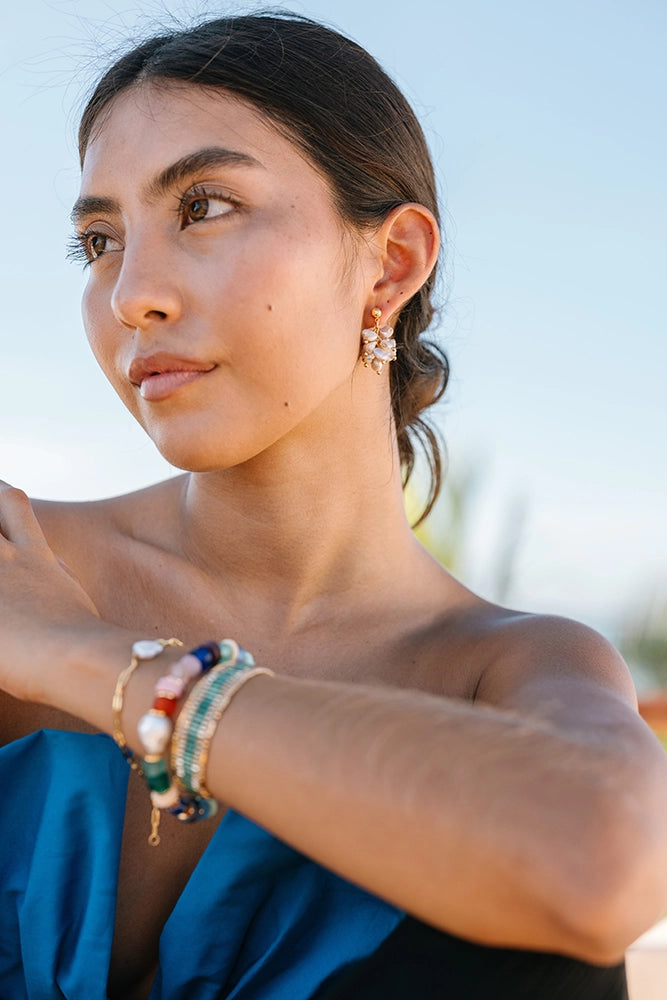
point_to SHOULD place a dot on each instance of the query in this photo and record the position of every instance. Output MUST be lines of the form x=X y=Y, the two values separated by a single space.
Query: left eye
x=200 y=208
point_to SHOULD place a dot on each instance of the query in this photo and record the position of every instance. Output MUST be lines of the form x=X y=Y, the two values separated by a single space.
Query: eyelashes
x=199 y=205
x=84 y=248
x=76 y=249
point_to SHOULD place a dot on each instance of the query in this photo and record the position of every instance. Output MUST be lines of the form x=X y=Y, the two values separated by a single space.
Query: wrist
x=174 y=734
x=83 y=669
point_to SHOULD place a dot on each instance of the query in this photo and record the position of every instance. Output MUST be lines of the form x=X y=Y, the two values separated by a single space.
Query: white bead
x=382 y=355
x=377 y=366
x=368 y=336
x=146 y=649
x=154 y=732
x=386 y=331
x=164 y=800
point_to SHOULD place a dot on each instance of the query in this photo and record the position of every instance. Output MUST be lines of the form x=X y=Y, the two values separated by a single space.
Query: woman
x=257 y=215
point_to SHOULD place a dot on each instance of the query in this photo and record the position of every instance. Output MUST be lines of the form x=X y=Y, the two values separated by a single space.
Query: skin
x=481 y=768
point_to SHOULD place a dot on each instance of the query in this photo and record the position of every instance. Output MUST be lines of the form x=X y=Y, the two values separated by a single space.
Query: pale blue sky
x=548 y=126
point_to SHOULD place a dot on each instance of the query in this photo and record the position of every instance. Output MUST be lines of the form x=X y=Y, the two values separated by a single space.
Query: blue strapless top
x=256 y=921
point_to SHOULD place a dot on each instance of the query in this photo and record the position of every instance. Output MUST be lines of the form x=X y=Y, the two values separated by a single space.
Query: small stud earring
x=378 y=346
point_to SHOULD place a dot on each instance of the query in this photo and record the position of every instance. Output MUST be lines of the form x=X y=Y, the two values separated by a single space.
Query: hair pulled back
x=328 y=95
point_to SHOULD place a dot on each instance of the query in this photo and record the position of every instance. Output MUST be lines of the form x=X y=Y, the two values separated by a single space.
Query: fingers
x=17 y=518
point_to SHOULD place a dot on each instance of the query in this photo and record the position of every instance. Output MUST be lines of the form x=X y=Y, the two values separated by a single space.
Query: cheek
x=295 y=300
x=103 y=335
x=92 y=323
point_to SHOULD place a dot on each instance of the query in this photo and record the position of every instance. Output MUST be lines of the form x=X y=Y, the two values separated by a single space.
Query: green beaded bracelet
x=198 y=721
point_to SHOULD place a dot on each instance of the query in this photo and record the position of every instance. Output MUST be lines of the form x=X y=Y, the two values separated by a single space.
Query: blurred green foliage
x=643 y=642
x=447 y=533
x=449 y=530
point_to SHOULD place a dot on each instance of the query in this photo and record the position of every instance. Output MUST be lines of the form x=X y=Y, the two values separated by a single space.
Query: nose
x=146 y=290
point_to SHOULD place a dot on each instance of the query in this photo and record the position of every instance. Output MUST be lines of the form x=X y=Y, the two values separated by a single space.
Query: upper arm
x=569 y=678
x=560 y=671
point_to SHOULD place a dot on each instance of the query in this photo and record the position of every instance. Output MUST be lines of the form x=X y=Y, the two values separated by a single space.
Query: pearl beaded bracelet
x=144 y=649
x=155 y=729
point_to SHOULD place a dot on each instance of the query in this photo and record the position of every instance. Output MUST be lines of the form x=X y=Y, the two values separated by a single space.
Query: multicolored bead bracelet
x=143 y=649
x=155 y=730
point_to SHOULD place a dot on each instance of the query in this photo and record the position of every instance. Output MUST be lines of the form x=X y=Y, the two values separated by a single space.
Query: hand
x=41 y=600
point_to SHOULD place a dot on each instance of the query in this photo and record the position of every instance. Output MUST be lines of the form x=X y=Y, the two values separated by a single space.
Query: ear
x=408 y=241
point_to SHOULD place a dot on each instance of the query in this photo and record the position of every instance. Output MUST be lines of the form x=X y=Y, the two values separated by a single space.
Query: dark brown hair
x=328 y=95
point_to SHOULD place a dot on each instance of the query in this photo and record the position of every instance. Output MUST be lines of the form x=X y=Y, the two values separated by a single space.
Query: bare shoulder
x=551 y=666
x=75 y=530
x=528 y=663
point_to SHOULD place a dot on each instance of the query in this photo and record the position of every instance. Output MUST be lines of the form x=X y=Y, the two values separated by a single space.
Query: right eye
x=96 y=245
x=91 y=245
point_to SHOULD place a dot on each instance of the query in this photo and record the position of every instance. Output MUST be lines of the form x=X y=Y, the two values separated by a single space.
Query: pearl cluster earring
x=378 y=346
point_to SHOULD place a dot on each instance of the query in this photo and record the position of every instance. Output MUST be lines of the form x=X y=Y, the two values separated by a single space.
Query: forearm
x=475 y=821
x=502 y=829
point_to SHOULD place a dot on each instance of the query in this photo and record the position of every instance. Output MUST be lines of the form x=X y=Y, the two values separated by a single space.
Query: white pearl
x=368 y=336
x=146 y=649
x=377 y=366
x=154 y=732
x=382 y=355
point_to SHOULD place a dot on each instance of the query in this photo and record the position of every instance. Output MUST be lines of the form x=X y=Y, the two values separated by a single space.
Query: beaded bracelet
x=155 y=731
x=198 y=721
x=144 y=649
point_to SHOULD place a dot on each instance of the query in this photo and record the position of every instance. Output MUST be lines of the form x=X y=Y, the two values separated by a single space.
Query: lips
x=160 y=375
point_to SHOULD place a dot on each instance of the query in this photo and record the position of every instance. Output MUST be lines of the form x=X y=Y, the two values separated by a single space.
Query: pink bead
x=170 y=685
x=187 y=668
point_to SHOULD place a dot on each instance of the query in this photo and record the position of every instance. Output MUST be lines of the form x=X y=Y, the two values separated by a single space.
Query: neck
x=297 y=528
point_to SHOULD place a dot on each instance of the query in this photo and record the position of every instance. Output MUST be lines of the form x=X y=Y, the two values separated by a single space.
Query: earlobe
x=409 y=240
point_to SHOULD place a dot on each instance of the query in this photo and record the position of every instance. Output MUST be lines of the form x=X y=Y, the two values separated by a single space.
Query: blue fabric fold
x=257 y=920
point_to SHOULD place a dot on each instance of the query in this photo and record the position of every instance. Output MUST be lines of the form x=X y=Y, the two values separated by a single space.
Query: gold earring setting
x=378 y=346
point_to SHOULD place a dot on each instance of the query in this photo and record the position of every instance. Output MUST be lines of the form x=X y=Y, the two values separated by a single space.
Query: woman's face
x=224 y=301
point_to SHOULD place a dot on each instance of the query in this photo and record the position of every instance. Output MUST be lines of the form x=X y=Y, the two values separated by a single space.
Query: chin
x=204 y=453
x=202 y=441
x=189 y=462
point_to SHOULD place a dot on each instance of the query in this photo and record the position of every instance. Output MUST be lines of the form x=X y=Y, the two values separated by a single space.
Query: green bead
x=156 y=774
x=227 y=652
x=158 y=784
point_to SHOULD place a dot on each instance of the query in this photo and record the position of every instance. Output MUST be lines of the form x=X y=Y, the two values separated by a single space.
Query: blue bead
x=206 y=655
x=215 y=649
x=184 y=809
x=207 y=807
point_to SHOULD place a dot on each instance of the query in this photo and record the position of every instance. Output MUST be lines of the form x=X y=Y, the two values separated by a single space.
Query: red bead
x=166 y=705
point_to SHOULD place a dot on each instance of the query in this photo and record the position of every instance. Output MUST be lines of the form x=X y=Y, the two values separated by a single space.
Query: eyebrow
x=167 y=179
